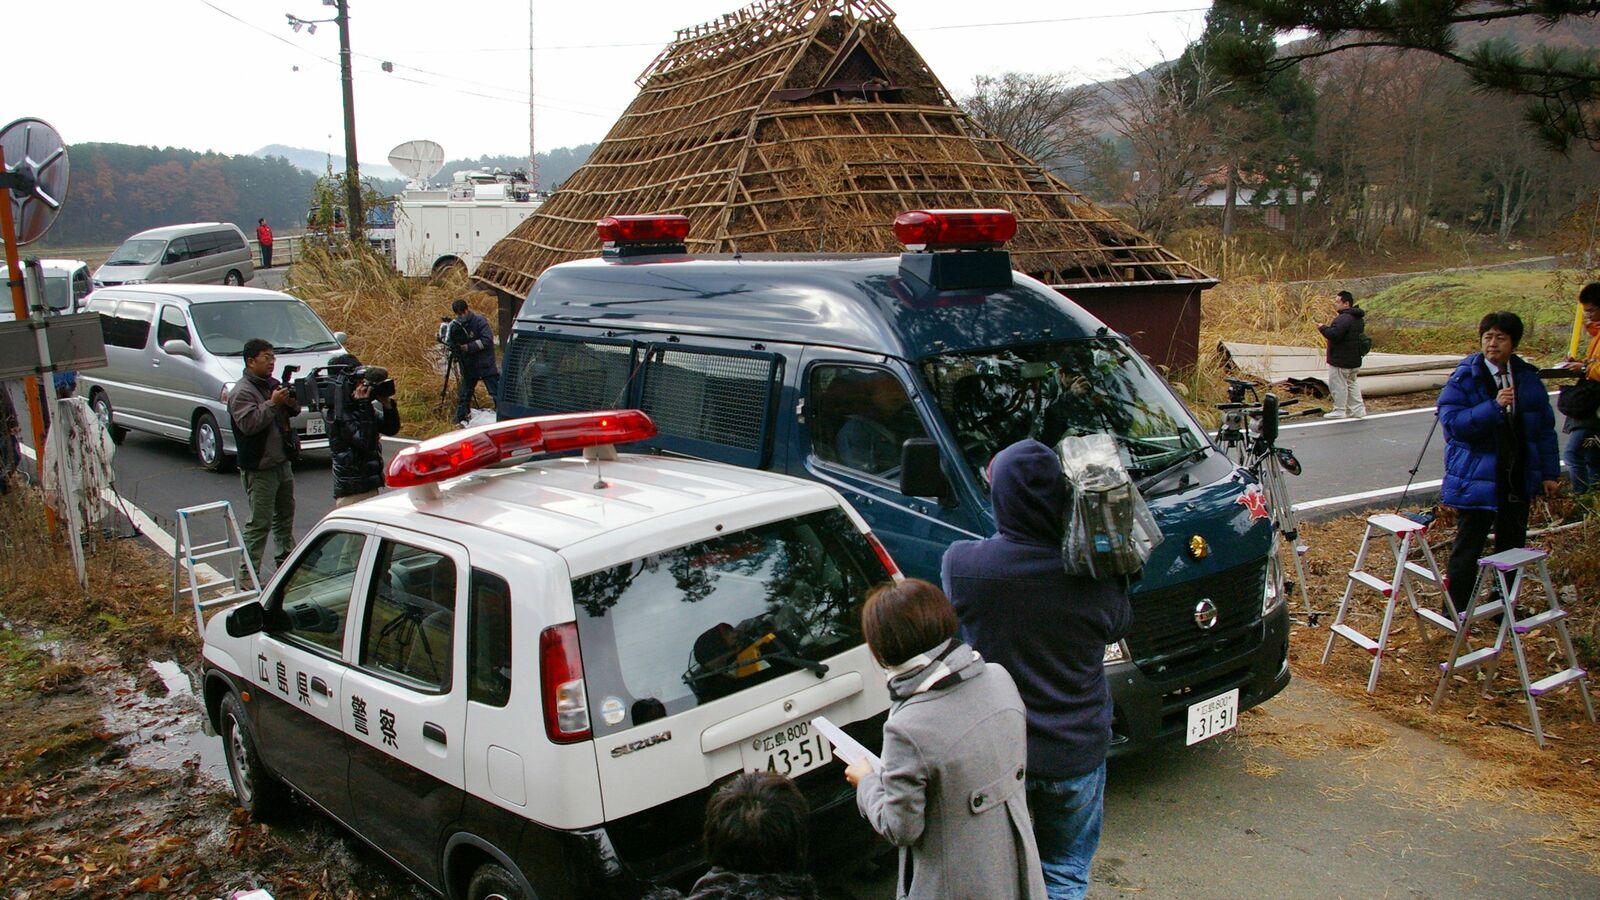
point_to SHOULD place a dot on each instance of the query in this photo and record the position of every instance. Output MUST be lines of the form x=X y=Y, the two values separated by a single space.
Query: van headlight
x=1271 y=590
x=1115 y=653
x=226 y=390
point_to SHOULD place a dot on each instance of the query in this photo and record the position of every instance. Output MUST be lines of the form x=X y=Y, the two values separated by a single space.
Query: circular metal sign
x=34 y=151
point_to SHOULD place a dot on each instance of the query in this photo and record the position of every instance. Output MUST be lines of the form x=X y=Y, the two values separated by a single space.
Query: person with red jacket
x=264 y=238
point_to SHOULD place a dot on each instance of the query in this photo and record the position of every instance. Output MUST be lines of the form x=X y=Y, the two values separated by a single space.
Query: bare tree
x=1042 y=116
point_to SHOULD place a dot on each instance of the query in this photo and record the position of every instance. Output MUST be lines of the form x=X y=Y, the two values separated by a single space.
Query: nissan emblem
x=1205 y=615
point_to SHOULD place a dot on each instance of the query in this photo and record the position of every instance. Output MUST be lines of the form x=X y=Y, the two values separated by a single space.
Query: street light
x=352 y=170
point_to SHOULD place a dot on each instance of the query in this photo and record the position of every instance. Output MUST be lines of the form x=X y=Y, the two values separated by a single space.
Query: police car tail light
x=460 y=452
x=566 y=700
x=883 y=554
x=948 y=229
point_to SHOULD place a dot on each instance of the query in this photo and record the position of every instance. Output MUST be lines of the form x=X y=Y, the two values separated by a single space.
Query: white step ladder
x=204 y=581
x=1493 y=570
x=1405 y=537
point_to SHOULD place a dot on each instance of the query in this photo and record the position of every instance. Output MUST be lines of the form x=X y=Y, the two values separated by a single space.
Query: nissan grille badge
x=1205 y=615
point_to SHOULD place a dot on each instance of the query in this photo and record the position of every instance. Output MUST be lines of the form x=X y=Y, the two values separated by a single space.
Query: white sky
x=220 y=74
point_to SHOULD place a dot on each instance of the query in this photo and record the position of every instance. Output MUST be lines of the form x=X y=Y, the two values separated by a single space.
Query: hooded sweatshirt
x=1344 y=337
x=1019 y=608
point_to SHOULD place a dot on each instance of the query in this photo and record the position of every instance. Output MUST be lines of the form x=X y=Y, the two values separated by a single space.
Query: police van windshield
x=288 y=324
x=994 y=398
x=667 y=632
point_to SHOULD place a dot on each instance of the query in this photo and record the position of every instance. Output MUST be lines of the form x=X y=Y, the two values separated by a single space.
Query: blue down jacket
x=1471 y=419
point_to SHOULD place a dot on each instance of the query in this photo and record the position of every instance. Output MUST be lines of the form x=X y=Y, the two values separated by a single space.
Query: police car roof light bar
x=950 y=229
x=652 y=229
x=460 y=452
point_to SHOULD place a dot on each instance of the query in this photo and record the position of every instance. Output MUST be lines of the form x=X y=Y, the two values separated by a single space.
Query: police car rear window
x=667 y=632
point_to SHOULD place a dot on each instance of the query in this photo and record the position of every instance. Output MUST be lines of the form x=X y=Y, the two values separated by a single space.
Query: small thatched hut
x=807 y=126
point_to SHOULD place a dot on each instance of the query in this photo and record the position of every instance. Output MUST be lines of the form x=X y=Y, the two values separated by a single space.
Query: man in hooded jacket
x=1344 y=335
x=1018 y=607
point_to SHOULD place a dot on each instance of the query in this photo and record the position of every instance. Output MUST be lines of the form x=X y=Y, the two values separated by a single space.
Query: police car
x=522 y=675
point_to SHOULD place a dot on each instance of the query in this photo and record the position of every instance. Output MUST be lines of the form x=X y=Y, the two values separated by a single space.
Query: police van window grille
x=555 y=376
x=708 y=396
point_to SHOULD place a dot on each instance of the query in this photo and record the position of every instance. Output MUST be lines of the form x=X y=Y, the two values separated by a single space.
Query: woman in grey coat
x=951 y=791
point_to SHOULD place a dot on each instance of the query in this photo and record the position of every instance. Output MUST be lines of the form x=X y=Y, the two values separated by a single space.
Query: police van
x=522 y=675
x=894 y=379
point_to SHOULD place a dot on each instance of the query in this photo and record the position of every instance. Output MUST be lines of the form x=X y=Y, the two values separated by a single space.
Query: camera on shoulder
x=327 y=389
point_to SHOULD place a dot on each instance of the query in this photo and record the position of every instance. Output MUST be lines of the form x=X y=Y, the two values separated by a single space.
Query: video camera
x=451 y=333
x=326 y=389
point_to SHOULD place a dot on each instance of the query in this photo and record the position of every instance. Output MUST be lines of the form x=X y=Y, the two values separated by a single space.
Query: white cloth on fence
x=88 y=460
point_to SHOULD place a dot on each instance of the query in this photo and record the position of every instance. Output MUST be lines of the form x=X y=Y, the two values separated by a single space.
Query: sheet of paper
x=846 y=747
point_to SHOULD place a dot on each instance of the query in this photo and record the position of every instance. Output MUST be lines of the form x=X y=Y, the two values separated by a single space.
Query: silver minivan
x=173 y=353
x=199 y=253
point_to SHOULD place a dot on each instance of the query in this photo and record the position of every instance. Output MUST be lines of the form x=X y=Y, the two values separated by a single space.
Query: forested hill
x=118 y=189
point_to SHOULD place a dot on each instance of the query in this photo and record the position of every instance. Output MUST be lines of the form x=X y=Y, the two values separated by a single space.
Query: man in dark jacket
x=261 y=409
x=1344 y=335
x=355 y=437
x=1500 y=449
x=472 y=341
x=1019 y=608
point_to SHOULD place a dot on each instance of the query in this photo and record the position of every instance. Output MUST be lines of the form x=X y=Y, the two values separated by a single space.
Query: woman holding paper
x=950 y=791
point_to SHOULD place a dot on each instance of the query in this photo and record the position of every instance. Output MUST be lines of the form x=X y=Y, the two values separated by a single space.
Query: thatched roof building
x=807 y=126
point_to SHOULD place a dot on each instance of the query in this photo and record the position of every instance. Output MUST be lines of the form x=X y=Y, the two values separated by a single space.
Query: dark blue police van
x=895 y=379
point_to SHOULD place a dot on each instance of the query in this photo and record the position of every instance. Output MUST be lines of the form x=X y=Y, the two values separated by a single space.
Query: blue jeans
x=1583 y=463
x=1066 y=826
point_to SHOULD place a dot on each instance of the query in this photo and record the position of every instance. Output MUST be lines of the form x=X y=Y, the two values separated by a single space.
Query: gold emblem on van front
x=1198 y=548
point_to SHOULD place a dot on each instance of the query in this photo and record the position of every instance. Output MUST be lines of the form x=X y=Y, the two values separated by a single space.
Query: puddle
x=165 y=732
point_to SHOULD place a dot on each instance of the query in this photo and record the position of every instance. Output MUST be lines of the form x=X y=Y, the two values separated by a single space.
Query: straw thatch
x=806 y=126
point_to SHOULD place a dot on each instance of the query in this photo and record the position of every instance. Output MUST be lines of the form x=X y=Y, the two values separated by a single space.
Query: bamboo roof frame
x=750 y=126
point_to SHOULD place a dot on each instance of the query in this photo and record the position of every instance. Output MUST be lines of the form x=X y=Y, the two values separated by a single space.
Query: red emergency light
x=950 y=229
x=460 y=452
x=653 y=229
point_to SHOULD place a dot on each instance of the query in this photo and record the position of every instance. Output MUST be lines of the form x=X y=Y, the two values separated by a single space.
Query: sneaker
x=1335 y=414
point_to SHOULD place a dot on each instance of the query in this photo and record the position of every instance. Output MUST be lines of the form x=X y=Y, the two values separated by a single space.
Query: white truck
x=437 y=229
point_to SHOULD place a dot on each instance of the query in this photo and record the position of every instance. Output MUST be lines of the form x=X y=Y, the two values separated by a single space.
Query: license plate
x=316 y=425
x=792 y=750
x=1209 y=718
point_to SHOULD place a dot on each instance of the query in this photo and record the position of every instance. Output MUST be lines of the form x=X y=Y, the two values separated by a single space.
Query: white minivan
x=198 y=253
x=173 y=352
x=522 y=677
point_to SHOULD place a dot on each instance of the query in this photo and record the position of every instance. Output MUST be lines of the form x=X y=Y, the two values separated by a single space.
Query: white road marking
x=1378 y=494
x=1367 y=418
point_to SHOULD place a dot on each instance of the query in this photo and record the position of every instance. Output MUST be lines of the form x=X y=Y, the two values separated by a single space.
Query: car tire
x=207 y=443
x=233 y=278
x=258 y=791
x=102 y=409
x=493 y=882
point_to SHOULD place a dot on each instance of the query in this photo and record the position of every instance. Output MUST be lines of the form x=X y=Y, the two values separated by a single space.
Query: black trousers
x=1510 y=524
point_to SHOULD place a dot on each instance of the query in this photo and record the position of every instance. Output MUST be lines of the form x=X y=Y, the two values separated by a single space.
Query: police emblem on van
x=636 y=746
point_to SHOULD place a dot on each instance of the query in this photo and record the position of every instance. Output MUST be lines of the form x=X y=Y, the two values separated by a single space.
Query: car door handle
x=321 y=687
x=432 y=732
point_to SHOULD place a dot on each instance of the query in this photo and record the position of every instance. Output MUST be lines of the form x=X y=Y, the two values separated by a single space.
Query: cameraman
x=356 y=426
x=472 y=341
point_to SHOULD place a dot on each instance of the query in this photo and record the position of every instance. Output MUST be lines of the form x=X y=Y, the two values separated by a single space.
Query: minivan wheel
x=208 y=444
x=493 y=882
x=259 y=792
x=102 y=410
x=233 y=278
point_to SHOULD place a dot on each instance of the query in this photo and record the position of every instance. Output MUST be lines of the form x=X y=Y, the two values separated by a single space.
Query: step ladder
x=1515 y=565
x=1406 y=537
x=192 y=574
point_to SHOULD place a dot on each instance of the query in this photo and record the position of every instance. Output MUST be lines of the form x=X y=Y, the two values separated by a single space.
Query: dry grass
x=391 y=321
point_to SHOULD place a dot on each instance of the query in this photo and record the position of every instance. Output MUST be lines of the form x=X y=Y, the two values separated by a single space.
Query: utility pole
x=533 y=157
x=356 y=219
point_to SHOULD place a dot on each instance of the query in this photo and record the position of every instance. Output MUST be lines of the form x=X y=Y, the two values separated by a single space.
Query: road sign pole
x=59 y=417
x=19 y=303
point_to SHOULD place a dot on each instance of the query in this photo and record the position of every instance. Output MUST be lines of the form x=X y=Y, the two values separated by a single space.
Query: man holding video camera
x=261 y=408
x=471 y=340
x=363 y=413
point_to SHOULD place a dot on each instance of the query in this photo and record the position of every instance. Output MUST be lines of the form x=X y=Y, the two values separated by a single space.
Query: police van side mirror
x=245 y=620
x=921 y=475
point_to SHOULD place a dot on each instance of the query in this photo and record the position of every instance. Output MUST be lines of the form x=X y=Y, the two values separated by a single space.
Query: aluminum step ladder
x=1495 y=570
x=1406 y=537
x=207 y=587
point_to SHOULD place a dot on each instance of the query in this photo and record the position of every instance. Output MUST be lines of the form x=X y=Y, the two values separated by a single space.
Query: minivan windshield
x=669 y=631
x=994 y=398
x=137 y=252
x=288 y=324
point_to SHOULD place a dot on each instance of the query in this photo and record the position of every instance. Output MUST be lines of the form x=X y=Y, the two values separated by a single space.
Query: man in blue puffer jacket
x=1500 y=448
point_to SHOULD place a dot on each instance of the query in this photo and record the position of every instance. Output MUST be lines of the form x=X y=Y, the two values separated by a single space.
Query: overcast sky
x=230 y=75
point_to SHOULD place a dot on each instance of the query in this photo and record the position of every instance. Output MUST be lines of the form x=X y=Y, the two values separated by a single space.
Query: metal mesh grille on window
x=708 y=396
x=554 y=376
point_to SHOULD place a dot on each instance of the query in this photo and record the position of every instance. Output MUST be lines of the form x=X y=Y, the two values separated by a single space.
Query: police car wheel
x=493 y=882
x=259 y=793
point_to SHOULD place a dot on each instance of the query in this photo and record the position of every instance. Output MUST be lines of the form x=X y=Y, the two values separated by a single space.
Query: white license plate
x=1209 y=718
x=316 y=425
x=794 y=749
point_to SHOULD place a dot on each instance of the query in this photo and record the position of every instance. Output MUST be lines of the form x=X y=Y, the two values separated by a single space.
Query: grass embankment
x=1442 y=311
x=392 y=322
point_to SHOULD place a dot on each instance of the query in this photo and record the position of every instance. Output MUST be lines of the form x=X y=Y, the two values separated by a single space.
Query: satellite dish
x=34 y=151
x=418 y=160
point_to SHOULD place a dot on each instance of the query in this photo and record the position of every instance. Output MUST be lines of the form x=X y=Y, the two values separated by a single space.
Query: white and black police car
x=523 y=674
